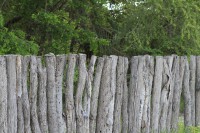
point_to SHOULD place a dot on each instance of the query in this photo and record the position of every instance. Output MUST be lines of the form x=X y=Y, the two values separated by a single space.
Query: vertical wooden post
x=197 y=91
x=25 y=98
x=192 y=67
x=148 y=81
x=139 y=95
x=118 y=96
x=165 y=92
x=177 y=94
x=125 y=98
x=156 y=92
x=20 y=117
x=3 y=96
x=175 y=68
x=95 y=94
x=51 y=93
x=132 y=87
x=87 y=94
x=187 y=96
x=79 y=94
x=106 y=96
x=33 y=95
x=69 y=95
x=11 y=97
x=60 y=64
x=42 y=97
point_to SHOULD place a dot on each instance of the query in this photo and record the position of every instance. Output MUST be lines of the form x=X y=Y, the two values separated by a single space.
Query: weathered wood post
x=106 y=97
x=118 y=96
x=60 y=64
x=42 y=96
x=187 y=96
x=11 y=91
x=125 y=98
x=33 y=95
x=20 y=117
x=3 y=96
x=156 y=93
x=51 y=93
x=69 y=95
x=25 y=98
x=95 y=94
x=139 y=95
x=197 y=91
x=177 y=93
x=192 y=67
x=148 y=82
x=175 y=67
x=79 y=94
x=87 y=94
x=166 y=92
x=132 y=87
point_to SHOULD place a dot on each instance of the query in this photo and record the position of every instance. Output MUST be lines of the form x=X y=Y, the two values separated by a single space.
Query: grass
x=183 y=129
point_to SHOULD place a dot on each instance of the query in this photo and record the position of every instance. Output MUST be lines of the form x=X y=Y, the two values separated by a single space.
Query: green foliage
x=160 y=28
x=130 y=27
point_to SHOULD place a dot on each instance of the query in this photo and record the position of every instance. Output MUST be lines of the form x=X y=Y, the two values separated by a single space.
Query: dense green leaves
x=121 y=27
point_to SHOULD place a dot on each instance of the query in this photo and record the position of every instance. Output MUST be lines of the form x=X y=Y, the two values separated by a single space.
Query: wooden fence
x=110 y=94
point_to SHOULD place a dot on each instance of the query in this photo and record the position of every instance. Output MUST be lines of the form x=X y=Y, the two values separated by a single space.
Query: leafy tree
x=159 y=27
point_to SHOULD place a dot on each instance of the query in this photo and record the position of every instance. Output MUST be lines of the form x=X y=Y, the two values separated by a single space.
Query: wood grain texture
x=95 y=94
x=3 y=96
x=11 y=91
x=51 y=93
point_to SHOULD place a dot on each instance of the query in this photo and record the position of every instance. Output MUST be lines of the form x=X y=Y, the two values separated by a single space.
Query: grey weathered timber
x=118 y=96
x=132 y=87
x=69 y=95
x=177 y=94
x=87 y=94
x=20 y=117
x=165 y=92
x=187 y=96
x=42 y=97
x=33 y=95
x=175 y=66
x=3 y=96
x=51 y=93
x=79 y=94
x=25 y=98
x=139 y=95
x=125 y=98
x=60 y=64
x=95 y=94
x=156 y=93
x=192 y=67
x=11 y=91
x=114 y=60
x=148 y=81
x=106 y=96
x=197 y=91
